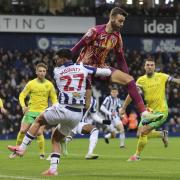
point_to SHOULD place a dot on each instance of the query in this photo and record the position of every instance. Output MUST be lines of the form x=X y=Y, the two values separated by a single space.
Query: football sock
x=55 y=158
x=122 y=138
x=41 y=143
x=93 y=140
x=142 y=141
x=133 y=92
x=155 y=134
x=19 y=139
x=26 y=141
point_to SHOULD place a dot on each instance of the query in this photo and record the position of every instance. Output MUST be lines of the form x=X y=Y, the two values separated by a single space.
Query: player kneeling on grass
x=71 y=79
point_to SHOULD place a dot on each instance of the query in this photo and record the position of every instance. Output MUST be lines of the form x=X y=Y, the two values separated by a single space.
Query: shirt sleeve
x=24 y=93
x=98 y=71
x=164 y=77
x=86 y=39
x=139 y=82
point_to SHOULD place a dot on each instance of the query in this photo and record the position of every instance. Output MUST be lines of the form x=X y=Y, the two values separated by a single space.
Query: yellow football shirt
x=154 y=89
x=39 y=93
x=1 y=103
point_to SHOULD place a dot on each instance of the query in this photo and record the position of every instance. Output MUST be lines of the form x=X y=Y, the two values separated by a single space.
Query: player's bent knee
x=87 y=128
x=41 y=120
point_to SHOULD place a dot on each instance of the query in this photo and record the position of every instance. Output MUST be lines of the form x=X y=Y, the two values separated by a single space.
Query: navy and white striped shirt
x=109 y=105
x=71 y=80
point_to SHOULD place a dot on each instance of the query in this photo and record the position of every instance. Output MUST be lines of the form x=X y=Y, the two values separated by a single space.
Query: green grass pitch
x=156 y=163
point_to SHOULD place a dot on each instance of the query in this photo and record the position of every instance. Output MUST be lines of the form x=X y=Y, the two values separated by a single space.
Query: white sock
x=55 y=158
x=26 y=141
x=108 y=135
x=93 y=140
x=122 y=138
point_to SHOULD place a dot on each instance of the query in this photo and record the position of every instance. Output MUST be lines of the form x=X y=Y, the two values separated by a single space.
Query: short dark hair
x=117 y=10
x=114 y=88
x=149 y=59
x=41 y=64
x=64 y=53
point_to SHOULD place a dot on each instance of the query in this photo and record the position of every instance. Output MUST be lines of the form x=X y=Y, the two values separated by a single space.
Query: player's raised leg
x=125 y=79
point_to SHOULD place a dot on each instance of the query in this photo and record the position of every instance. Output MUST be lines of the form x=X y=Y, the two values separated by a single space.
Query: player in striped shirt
x=71 y=80
x=96 y=44
x=39 y=90
x=110 y=107
x=153 y=87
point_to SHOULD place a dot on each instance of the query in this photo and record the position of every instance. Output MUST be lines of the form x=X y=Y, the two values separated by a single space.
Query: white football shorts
x=67 y=116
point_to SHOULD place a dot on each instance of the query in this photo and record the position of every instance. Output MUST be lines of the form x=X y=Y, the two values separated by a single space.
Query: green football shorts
x=30 y=117
x=159 y=122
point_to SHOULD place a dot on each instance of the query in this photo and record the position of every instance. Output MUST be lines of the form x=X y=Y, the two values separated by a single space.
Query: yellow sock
x=142 y=141
x=154 y=134
x=41 y=143
x=19 y=139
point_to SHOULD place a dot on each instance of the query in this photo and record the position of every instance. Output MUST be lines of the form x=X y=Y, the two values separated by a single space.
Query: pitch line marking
x=21 y=177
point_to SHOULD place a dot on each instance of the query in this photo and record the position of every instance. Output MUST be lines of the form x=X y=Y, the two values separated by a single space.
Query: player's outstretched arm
x=22 y=97
x=127 y=101
x=98 y=71
x=103 y=72
x=175 y=80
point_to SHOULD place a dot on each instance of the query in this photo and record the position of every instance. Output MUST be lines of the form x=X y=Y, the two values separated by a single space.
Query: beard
x=115 y=27
x=149 y=74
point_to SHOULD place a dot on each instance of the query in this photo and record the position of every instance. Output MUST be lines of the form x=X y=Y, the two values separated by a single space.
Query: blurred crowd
x=18 y=68
x=86 y=8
